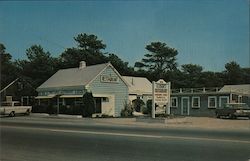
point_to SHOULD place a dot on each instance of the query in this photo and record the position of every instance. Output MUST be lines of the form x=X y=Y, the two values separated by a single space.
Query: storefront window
x=174 y=102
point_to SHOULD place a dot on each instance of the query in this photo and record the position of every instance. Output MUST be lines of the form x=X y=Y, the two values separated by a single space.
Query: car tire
x=27 y=112
x=12 y=114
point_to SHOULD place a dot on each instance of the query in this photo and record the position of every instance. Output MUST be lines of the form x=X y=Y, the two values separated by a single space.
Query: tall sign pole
x=169 y=99
x=153 y=100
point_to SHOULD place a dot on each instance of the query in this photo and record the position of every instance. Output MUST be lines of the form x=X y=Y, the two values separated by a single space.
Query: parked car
x=233 y=110
x=13 y=108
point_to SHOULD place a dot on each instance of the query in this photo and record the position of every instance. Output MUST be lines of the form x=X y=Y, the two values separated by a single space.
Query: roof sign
x=109 y=79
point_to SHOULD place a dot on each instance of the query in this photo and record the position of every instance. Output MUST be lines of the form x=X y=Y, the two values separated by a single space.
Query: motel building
x=67 y=87
x=204 y=101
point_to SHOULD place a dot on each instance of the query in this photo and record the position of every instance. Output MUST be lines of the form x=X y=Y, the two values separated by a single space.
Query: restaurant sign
x=109 y=79
x=161 y=97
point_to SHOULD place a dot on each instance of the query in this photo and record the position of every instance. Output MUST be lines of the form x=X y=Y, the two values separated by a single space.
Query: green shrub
x=127 y=111
x=148 y=109
x=88 y=105
x=138 y=104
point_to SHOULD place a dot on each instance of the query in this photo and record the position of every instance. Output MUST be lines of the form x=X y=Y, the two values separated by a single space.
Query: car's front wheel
x=27 y=112
x=12 y=114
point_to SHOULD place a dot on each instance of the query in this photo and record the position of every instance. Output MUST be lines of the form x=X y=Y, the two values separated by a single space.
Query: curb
x=69 y=116
x=39 y=114
x=55 y=116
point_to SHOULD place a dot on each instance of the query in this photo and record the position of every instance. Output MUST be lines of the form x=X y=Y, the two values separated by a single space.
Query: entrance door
x=185 y=106
x=98 y=102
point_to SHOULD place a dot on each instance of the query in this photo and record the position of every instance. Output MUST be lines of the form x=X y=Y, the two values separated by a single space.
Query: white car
x=13 y=108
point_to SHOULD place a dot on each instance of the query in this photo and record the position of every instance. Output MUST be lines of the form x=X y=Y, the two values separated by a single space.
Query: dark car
x=233 y=110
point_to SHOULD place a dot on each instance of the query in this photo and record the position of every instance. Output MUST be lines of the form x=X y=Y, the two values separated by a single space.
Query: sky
x=210 y=33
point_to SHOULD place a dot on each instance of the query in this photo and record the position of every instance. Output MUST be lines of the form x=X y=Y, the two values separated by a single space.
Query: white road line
x=151 y=136
x=107 y=133
x=131 y=135
x=207 y=139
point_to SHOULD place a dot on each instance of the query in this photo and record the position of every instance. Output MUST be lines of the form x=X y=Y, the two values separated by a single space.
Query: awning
x=46 y=97
x=71 y=96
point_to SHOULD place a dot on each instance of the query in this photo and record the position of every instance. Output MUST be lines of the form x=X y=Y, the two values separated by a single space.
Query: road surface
x=44 y=139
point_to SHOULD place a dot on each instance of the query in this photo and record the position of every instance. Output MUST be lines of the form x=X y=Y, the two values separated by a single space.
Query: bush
x=148 y=109
x=88 y=105
x=127 y=111
x=138 y=104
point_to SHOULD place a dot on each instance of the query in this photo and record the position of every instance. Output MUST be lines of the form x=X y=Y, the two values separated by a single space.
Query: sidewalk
x=176 y=122
x=184 y=122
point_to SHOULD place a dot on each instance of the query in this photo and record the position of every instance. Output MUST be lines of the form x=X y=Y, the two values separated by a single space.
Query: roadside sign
x=161 y=97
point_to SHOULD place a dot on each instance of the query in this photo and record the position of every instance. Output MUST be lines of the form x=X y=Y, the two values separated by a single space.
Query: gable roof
x=74 y=76
x=138 y=85
x=241 y=89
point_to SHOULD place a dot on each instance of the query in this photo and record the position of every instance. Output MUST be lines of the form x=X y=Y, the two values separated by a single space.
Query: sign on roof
x=161 y=97
x=109 y=79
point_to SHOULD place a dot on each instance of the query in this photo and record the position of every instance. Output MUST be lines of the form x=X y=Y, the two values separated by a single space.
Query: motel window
x=174 y=102
x=196 y=102
x=212 y=102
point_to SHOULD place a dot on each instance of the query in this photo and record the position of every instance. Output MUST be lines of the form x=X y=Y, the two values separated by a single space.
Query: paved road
x=26 y=139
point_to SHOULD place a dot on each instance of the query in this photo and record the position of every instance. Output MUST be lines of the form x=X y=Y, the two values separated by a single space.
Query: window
x=212 y=102
x=223 y=101
x=196 y=102
x=174 y=102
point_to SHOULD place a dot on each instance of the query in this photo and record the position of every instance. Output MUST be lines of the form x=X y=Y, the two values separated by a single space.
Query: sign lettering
x=109 y=79
x=161 y=96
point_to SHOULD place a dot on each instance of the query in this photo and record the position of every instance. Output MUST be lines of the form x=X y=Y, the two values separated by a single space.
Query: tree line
x=159 y=62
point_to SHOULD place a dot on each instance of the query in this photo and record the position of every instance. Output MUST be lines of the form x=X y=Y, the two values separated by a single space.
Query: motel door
x=98 y=102
x=185 y=106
